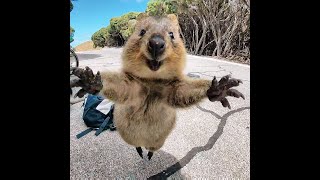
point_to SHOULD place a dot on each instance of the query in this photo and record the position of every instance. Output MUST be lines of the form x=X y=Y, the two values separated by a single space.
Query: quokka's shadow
x=122 y=162
x=170 y=170
x=92 y=159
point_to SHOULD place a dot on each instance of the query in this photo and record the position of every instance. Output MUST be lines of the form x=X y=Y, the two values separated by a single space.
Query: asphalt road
x=208 y=142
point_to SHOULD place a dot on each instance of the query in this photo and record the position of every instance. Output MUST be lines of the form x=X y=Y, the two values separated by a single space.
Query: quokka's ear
x=141 y=16
x=173 y=18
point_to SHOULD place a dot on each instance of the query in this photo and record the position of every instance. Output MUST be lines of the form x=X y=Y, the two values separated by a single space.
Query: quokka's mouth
x=154 y=65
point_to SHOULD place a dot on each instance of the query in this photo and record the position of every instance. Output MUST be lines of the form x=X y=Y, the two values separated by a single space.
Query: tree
x=71 y=29
x=161 y=7
x=208 y=27
x=117 y=32
x=99 y=37
x=71 y=6
x=71 y=34
x=216 y=27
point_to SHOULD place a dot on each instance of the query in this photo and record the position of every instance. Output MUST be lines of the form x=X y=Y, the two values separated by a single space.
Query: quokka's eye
x=171 y=35
x=142 y=32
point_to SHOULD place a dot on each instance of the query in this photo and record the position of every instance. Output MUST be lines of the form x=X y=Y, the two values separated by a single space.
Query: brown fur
x=145 y=100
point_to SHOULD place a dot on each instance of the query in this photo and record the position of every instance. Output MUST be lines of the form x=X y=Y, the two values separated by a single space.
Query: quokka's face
x=155 y=47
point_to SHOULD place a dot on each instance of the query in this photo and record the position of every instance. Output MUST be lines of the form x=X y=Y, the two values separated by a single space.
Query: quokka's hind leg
x=151 y=150
x=155 y=147
x=139 y=150
x=150 y=154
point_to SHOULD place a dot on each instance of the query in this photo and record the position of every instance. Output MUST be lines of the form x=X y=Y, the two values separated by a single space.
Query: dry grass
x=86 y=46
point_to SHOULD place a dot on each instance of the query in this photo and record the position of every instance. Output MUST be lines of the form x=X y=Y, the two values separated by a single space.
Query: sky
x=88 y=16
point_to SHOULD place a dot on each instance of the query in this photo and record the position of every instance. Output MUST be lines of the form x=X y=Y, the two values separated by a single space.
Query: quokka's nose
x=156 y=46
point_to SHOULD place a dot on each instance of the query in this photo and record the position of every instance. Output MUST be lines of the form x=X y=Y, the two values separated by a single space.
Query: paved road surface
x=208 y=142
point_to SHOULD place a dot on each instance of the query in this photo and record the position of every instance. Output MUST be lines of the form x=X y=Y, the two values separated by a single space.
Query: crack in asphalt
x=194 y=151
x=221 y=70
x=219 y=66
x=201 y=73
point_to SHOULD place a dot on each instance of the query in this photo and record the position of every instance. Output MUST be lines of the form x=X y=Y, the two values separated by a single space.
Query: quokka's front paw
x=218 y=91
x=89 y=82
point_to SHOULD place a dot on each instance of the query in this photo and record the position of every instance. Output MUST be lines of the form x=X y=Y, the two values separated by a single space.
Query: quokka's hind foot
x=139 y=150
x=150 y=154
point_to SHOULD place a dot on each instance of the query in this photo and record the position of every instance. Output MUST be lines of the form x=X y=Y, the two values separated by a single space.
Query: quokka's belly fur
x=142 y=127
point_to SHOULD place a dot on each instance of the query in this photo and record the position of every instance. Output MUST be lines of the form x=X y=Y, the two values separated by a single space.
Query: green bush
x=161 y=7
x=71 y=6
x=212 y=28
x=99 y=37
x=117 y=32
